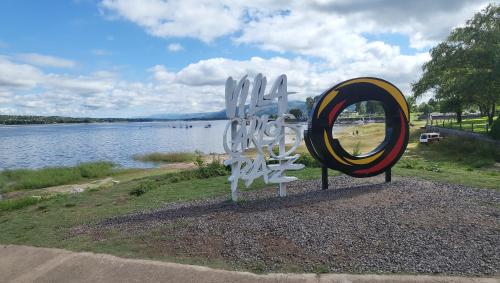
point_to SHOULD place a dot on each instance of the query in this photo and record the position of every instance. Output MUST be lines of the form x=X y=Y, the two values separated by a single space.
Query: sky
x=136 y=58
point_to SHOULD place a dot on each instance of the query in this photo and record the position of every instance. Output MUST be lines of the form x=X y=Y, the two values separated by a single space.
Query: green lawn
x=476 y=125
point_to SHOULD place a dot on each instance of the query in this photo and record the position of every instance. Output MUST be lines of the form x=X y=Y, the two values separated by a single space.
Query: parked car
x=430 y=137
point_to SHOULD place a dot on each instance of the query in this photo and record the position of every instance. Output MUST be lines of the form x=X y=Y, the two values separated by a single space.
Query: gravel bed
x=357 y=226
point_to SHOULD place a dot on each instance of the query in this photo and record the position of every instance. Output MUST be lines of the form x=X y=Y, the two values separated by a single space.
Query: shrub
x=212 y=169
x=308 y=161
x=143 y=188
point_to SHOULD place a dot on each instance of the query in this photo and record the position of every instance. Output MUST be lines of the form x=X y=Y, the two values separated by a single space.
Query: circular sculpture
x=328 y=151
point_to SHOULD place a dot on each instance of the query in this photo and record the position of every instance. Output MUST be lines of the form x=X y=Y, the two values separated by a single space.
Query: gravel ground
x=358 y=226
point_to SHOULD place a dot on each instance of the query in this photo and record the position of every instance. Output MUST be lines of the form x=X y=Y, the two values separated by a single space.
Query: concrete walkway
x=30 y=264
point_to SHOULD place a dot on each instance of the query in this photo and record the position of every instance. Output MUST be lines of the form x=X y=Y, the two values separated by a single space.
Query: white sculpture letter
x=247 y=130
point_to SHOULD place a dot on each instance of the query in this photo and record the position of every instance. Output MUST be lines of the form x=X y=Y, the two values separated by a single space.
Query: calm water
x=36 y=146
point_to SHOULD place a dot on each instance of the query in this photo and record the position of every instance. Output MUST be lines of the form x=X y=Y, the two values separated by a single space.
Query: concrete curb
x=32 y=264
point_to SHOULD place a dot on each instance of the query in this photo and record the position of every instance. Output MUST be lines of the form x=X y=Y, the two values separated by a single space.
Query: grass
x=28 y=179
x=476 y=125
x=367 y=138
x=170 y=157
x=18 y=203
x=454 y=160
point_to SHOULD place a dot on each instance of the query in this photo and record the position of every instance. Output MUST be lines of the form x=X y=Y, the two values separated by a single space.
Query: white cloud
x=199 y=87
x=18 y=76
x=45 y=60
x=425 y=22
x=329 y=41
x=204 y=20
x=175 y=47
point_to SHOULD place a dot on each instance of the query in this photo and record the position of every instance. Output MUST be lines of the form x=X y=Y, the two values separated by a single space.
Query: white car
x=430 y=137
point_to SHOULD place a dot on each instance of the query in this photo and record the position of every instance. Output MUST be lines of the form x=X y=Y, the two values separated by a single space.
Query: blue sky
x=125 y=58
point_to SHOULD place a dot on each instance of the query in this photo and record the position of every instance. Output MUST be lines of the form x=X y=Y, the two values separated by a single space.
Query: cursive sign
x=246 y=129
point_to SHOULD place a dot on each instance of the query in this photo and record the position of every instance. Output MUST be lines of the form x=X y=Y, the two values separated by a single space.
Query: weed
x=356 y=150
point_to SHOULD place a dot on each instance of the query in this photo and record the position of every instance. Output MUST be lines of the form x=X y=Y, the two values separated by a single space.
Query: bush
x=143 y=188
x=495 y=129
x=308 y=161
x=213 y=169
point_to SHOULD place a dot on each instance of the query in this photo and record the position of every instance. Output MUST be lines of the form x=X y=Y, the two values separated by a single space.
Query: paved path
x=30 y=264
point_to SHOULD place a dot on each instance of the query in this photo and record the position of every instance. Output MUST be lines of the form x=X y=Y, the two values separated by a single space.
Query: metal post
x=282 y=106
x=388 y=176
x=324 y=178
x=282 y=186
x=234 y=182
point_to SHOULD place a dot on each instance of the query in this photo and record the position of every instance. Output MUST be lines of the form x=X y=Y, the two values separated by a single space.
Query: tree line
x=24 y=120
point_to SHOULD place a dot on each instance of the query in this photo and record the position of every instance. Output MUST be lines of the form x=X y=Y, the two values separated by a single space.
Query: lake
x=36 y=146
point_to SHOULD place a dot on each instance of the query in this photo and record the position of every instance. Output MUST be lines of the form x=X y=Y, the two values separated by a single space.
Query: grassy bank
x=170 y=157
x=28 y=179
x=455 y=160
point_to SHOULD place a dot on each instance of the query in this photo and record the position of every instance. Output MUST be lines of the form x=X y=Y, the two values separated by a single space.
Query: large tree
x=464 y=69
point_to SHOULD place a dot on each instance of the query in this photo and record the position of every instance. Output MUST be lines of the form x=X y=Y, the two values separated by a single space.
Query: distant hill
x=271 y=109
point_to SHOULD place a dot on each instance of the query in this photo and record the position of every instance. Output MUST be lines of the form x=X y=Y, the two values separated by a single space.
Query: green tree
x=464 y=70
x=309 y=103
x=412 y=103
x=425 y=108
x=296 y=112
x=480 y=38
